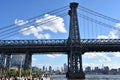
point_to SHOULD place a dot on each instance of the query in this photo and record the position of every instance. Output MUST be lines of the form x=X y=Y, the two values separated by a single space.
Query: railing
x=100 y=41
x=57 y=42
x=33 y=42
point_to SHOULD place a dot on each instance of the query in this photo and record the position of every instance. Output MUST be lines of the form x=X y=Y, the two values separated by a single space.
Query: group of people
x=25 y=78
x=8 y=78
x=17 y=78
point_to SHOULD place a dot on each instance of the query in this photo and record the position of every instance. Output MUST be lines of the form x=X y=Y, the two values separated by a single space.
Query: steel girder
x=41 y=46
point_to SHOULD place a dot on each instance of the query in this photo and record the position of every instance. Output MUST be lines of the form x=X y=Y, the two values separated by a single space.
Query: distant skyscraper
x=88 y=69
x=46 y=69
x=96 y=68
x=106 y=68
x=50 y=69
x=43 y=68
x=65 y=67
x=62 y=69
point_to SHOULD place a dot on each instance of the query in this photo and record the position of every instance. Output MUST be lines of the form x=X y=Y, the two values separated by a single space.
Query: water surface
x=90 y=77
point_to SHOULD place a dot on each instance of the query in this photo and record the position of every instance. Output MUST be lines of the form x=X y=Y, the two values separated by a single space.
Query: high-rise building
x=106 y=68
x=88 y=69
x=43 y=68
x=50 y=68
x=65 y=67
x=62 y=69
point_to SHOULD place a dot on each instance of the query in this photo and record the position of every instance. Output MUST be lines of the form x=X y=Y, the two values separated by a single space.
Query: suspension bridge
x=90 y=38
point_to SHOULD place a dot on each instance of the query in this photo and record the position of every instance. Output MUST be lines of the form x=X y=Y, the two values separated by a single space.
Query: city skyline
x=13 y=12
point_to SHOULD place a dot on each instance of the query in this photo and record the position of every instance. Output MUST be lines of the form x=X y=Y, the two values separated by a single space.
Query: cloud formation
x=53 y=55
x=104 y=56
x=51 y=23
x=20 y=22
x=113 y=34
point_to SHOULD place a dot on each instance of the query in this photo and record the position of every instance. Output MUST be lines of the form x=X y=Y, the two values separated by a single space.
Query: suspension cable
x=34 y=18
x=98 y=14
x=98 y=22
x=15 y=27
x=12 y=33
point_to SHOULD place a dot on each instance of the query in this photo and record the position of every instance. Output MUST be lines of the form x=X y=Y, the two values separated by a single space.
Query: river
x=90 y=77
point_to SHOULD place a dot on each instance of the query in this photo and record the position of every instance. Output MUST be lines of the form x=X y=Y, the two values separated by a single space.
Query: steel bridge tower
x=75 y=70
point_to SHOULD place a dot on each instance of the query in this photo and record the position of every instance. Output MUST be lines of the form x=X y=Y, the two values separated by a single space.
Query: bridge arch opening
x=50 y=62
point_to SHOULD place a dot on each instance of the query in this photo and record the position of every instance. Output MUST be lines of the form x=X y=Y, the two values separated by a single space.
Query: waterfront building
x=88 y=69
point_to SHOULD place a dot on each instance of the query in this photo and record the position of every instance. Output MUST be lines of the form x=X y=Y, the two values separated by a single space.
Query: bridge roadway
x=58 y=45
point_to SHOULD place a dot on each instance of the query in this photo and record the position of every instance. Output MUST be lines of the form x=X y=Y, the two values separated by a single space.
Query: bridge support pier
x=28 y=61
x=75 y=70
x=8 y=62
x=2 y=60
x=80 y=75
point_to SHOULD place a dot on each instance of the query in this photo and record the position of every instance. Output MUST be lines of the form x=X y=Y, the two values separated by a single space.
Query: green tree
x=38 y=73
x=4 y=73
x=26 y=72
x=12 y=72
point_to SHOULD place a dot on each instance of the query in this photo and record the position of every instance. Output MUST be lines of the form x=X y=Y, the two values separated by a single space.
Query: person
x=15 y=78
x=42 y=76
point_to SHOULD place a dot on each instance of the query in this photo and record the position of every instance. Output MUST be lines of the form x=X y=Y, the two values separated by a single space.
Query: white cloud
x=51 y=23
x=101 y=56
x=116 y=54
x=33 y=30
x=20 y=22
x=102 y=37
x=113 y=34
x=34 y=59
x=104 y=56
x=53 y=55
x=54 y=23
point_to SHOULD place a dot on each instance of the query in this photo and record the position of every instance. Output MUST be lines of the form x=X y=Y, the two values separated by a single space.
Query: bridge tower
x=75 y=70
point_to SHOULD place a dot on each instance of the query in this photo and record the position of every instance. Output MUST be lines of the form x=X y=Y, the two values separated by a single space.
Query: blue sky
x=16 y=10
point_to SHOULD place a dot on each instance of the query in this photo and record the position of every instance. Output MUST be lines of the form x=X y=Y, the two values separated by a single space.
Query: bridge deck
x=57 y=45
